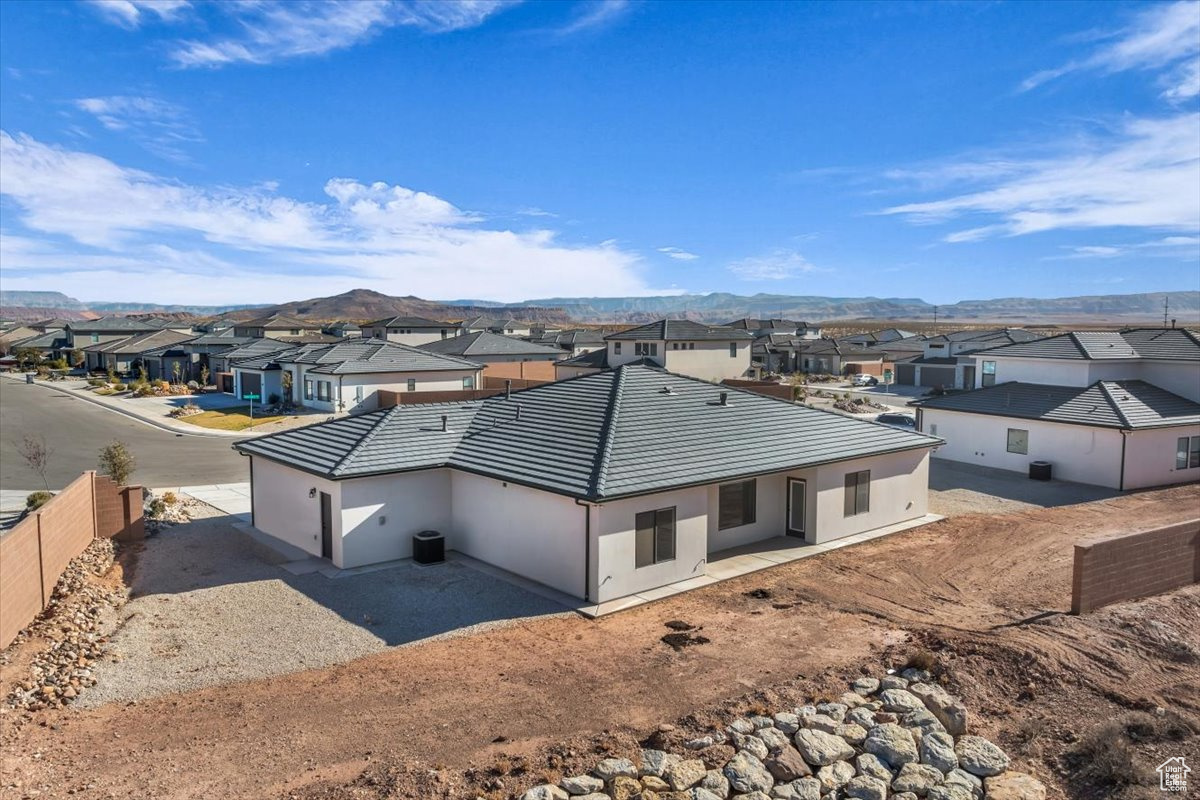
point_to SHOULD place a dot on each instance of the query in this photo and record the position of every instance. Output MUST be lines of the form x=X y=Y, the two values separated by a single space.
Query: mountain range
x=365 y=304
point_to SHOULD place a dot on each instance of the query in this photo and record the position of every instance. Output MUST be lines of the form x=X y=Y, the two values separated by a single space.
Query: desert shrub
x=120 y=387
x=1105 y=757
x=36 y=500
x=157 y=508
x=117 y=462
x=170 y=498
x=96 y=381
x=143 y=390
x=272 y=399
x=921 y=659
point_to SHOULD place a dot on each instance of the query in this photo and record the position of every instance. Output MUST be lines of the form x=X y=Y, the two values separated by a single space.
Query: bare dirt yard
x=487 y=714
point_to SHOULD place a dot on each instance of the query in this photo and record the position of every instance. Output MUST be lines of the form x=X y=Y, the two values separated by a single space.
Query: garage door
x=251 y=384
x=906 y=374
x=937 y=376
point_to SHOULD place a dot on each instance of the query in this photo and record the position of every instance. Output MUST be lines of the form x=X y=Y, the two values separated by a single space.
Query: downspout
x=252 y=522
x=587 y=549
x=1124 y=439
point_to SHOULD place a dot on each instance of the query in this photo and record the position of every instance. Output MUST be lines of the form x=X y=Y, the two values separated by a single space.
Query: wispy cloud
x=678 y=254
x=161 y=127
x=1158 y=37
x=1142 y=175
x=777 y=265
x=132 y=13
x=1180 y=247
x=596 y=14
x=94 y=223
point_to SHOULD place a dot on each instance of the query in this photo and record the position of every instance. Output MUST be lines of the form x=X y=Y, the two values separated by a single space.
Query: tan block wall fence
x=1135 y=565
x=522 y=370
x=34 y=553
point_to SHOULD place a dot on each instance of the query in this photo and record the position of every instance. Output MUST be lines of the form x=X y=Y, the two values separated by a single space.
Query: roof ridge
x=608 y=433
x=1112 y=402
x=367 y=437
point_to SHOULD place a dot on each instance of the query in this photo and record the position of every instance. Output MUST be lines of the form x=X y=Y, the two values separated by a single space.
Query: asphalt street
x=76 y=431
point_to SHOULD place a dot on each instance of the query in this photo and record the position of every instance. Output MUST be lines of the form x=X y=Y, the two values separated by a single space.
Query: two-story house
x=275 y=326
x=414 y=331
x=708 y=352
x=948 y=360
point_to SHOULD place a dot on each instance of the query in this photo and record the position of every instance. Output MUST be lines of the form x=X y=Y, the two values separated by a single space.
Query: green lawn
x=236 y=418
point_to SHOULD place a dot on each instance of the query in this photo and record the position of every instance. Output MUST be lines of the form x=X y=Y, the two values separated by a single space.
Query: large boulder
x=892 y=743
x=786 y=765
x=980 y=757
x=799 y=789
x=715 y=781
x=948 y=709
x=900 y=701
x=922 y=721
x=835 y=776
x=937 y=750
x=748 y=774
x=820 y=748
x=965 y=779
x=917 y=778
x=685 y=774
x=1014 y=786
x=774 y=738
x=611 y=768
x=873 y=767
x=655 y=762
x=864 y=787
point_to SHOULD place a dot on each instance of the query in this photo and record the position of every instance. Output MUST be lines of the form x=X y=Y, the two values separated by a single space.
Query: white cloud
x=88 y=219
x=678 y=254
x=162 y=128
x=1179 y=247
x=596 y=14
x=273 y=31
x=776 y=265
x=132 y=13
x=1157 y=37
x=1142 y=176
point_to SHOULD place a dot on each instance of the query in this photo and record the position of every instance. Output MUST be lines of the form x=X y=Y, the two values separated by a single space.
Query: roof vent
x=445 y=423
x=666 y=390
x=508 y=389
x=518 y=410
x=724 y=398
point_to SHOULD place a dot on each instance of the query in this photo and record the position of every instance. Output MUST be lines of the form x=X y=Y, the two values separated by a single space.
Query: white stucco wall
x=396 y=382
x=380 y=514
x=272 y=380
x=770 y=511
x=899 y=492
x=1180 y=377
x=709 y=361
x=562 y=372
x=419 y=337
x=283 y=509
x=1052 y=371
x=1079 y=453
x=1150 y=458
x=532 y=533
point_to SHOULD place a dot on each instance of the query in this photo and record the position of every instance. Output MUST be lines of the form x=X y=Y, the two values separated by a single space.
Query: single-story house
x=1118 y=434
x=411 y=330
x=275 y=326
x=574 y=342
x=125 y=355
x=835 y=357
x=948 y=359
x=222 y=364
x=708 y=352
x=50 y=344
x=84 y=332
x=877 y=337
x=601 y=486
x=776 y=327
x=485 y=347
x=500 y=325
x=343 y=330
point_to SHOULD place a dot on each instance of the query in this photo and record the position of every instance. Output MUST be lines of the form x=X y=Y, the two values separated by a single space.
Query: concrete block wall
x=1135 y=565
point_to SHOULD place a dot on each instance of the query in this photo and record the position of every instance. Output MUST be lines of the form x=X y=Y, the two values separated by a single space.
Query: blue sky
x=197 y=152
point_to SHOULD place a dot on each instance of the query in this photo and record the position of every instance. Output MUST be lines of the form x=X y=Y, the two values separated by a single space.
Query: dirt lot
x=985 y=593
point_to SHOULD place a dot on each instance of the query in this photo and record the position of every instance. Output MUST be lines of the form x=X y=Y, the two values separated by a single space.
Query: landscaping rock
x=861 y=716
x=787 y=765
x=715 y=782
x=851 y=699
x=611 y=768
x=835 y=776
x=685 y=774
x=904 y=796
x=917 y=778
x=854 y=734
x=949 y=791
x=900 y=701
x=820 y=749
x=865 y=686
x=835 y=711
x=923 y=721
x=937 y=750
x=892 y=682
x=655 y=784
x=752 y=745
x=914 y=675
x=774 y=738
x=799 y=789
x=581 y=784
x=746 y=773
x=973 y=784
x=545 y=792
x=892 y=743
x=821 y=722
x=864 y=787
x=949 y=710
x=623 y=787
x=741 y=725
x=700 y=793
x=1014 y=786
x=978 y=756
x=873 y=767
x=655 y=762
x=760 y=721
x=700 y=743
x=788 y=723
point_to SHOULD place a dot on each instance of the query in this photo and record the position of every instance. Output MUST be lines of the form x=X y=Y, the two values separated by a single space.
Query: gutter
x=587 y=547
x=1124 y=440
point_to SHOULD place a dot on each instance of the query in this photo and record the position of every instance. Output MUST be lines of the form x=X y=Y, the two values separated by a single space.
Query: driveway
x=210 y=607
x=958 y=488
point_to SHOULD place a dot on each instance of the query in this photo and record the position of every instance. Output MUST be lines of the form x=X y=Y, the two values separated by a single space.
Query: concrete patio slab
x=231 y=498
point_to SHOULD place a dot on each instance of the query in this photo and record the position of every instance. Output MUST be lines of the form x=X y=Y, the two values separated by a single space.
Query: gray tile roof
x=275 y=322
x=1149 y=343
x=144 y=341
x=486 y=343
x=257 y=348
x=52 y=339
x=109 y=325
x=681 y=329
x=1108 y=404
x=409 y=322
x=359 y=356
x=601 y=436
x=593 y=358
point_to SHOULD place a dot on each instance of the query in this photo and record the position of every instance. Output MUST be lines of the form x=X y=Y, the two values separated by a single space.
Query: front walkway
x=232 y=498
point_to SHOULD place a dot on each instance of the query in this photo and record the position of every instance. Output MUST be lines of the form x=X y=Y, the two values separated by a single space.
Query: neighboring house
x=490 y=348
x=601 y=487
x=411 y=330
x=947 y=360
x=83 y=333
x=222 y=362
x=708 y=352
x=48 y=345
x=1166 y=357
x=1120 y=434
x=215 y=327
x=574 y=342
x=500 y=325
x=160 y=362
x=835 y=357
x=877 y=337
x=15 y=334
x=275 y=326
x=342 y=330
x=776 y=327
x=125 y=355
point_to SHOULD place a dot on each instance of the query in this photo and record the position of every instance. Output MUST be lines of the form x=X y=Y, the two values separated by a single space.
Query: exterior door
x=326 y=526
x=797 y=507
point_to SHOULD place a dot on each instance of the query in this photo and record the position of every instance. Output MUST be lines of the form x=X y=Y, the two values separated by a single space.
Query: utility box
x=1040 y=470
x=29 y=376
x=429 y=547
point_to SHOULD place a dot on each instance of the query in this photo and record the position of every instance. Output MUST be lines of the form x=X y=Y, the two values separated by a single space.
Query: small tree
x=177 y=372
x=204 y=375
x=117 y=462
x=286 y=383
x=36 y=455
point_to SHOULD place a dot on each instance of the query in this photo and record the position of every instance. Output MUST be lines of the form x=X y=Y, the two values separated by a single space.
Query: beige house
x=411 y=330
x=708 y=352
x=275 y=326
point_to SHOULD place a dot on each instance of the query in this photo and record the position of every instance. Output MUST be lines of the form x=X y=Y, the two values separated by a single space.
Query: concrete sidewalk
x=231 y=498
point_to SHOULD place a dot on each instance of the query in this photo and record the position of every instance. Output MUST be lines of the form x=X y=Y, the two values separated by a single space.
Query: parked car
x=863 y=380
x=902 y=421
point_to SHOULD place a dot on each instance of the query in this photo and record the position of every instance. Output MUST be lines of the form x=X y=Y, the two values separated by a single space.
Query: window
x=733 y=349
x=295 y=332
x=691 y=345
x=443 y=333
x=655 y=538
x=736 y=504
x=1187 y=452
x=616 y=348
x=1018 y=441
x=989 y=373
x=469 y=382
x=308 y=389
x=323 y=390
x=358 y=394
x=412 y=384
x=645 y=348
x=858 y=493
x=95 y=337
x=674 y=345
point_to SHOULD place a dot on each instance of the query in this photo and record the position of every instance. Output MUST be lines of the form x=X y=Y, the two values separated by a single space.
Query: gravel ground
x=207 y=610
x=957 y=488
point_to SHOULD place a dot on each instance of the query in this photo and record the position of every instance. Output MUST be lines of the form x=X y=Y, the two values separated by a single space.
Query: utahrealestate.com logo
x=1172 y=775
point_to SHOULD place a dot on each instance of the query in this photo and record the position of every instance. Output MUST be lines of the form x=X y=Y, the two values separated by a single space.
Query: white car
x=863 y=379
x=902 y=421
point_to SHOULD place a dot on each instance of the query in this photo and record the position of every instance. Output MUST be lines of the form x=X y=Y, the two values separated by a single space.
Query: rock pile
x=72 y=624
x=900 y=737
